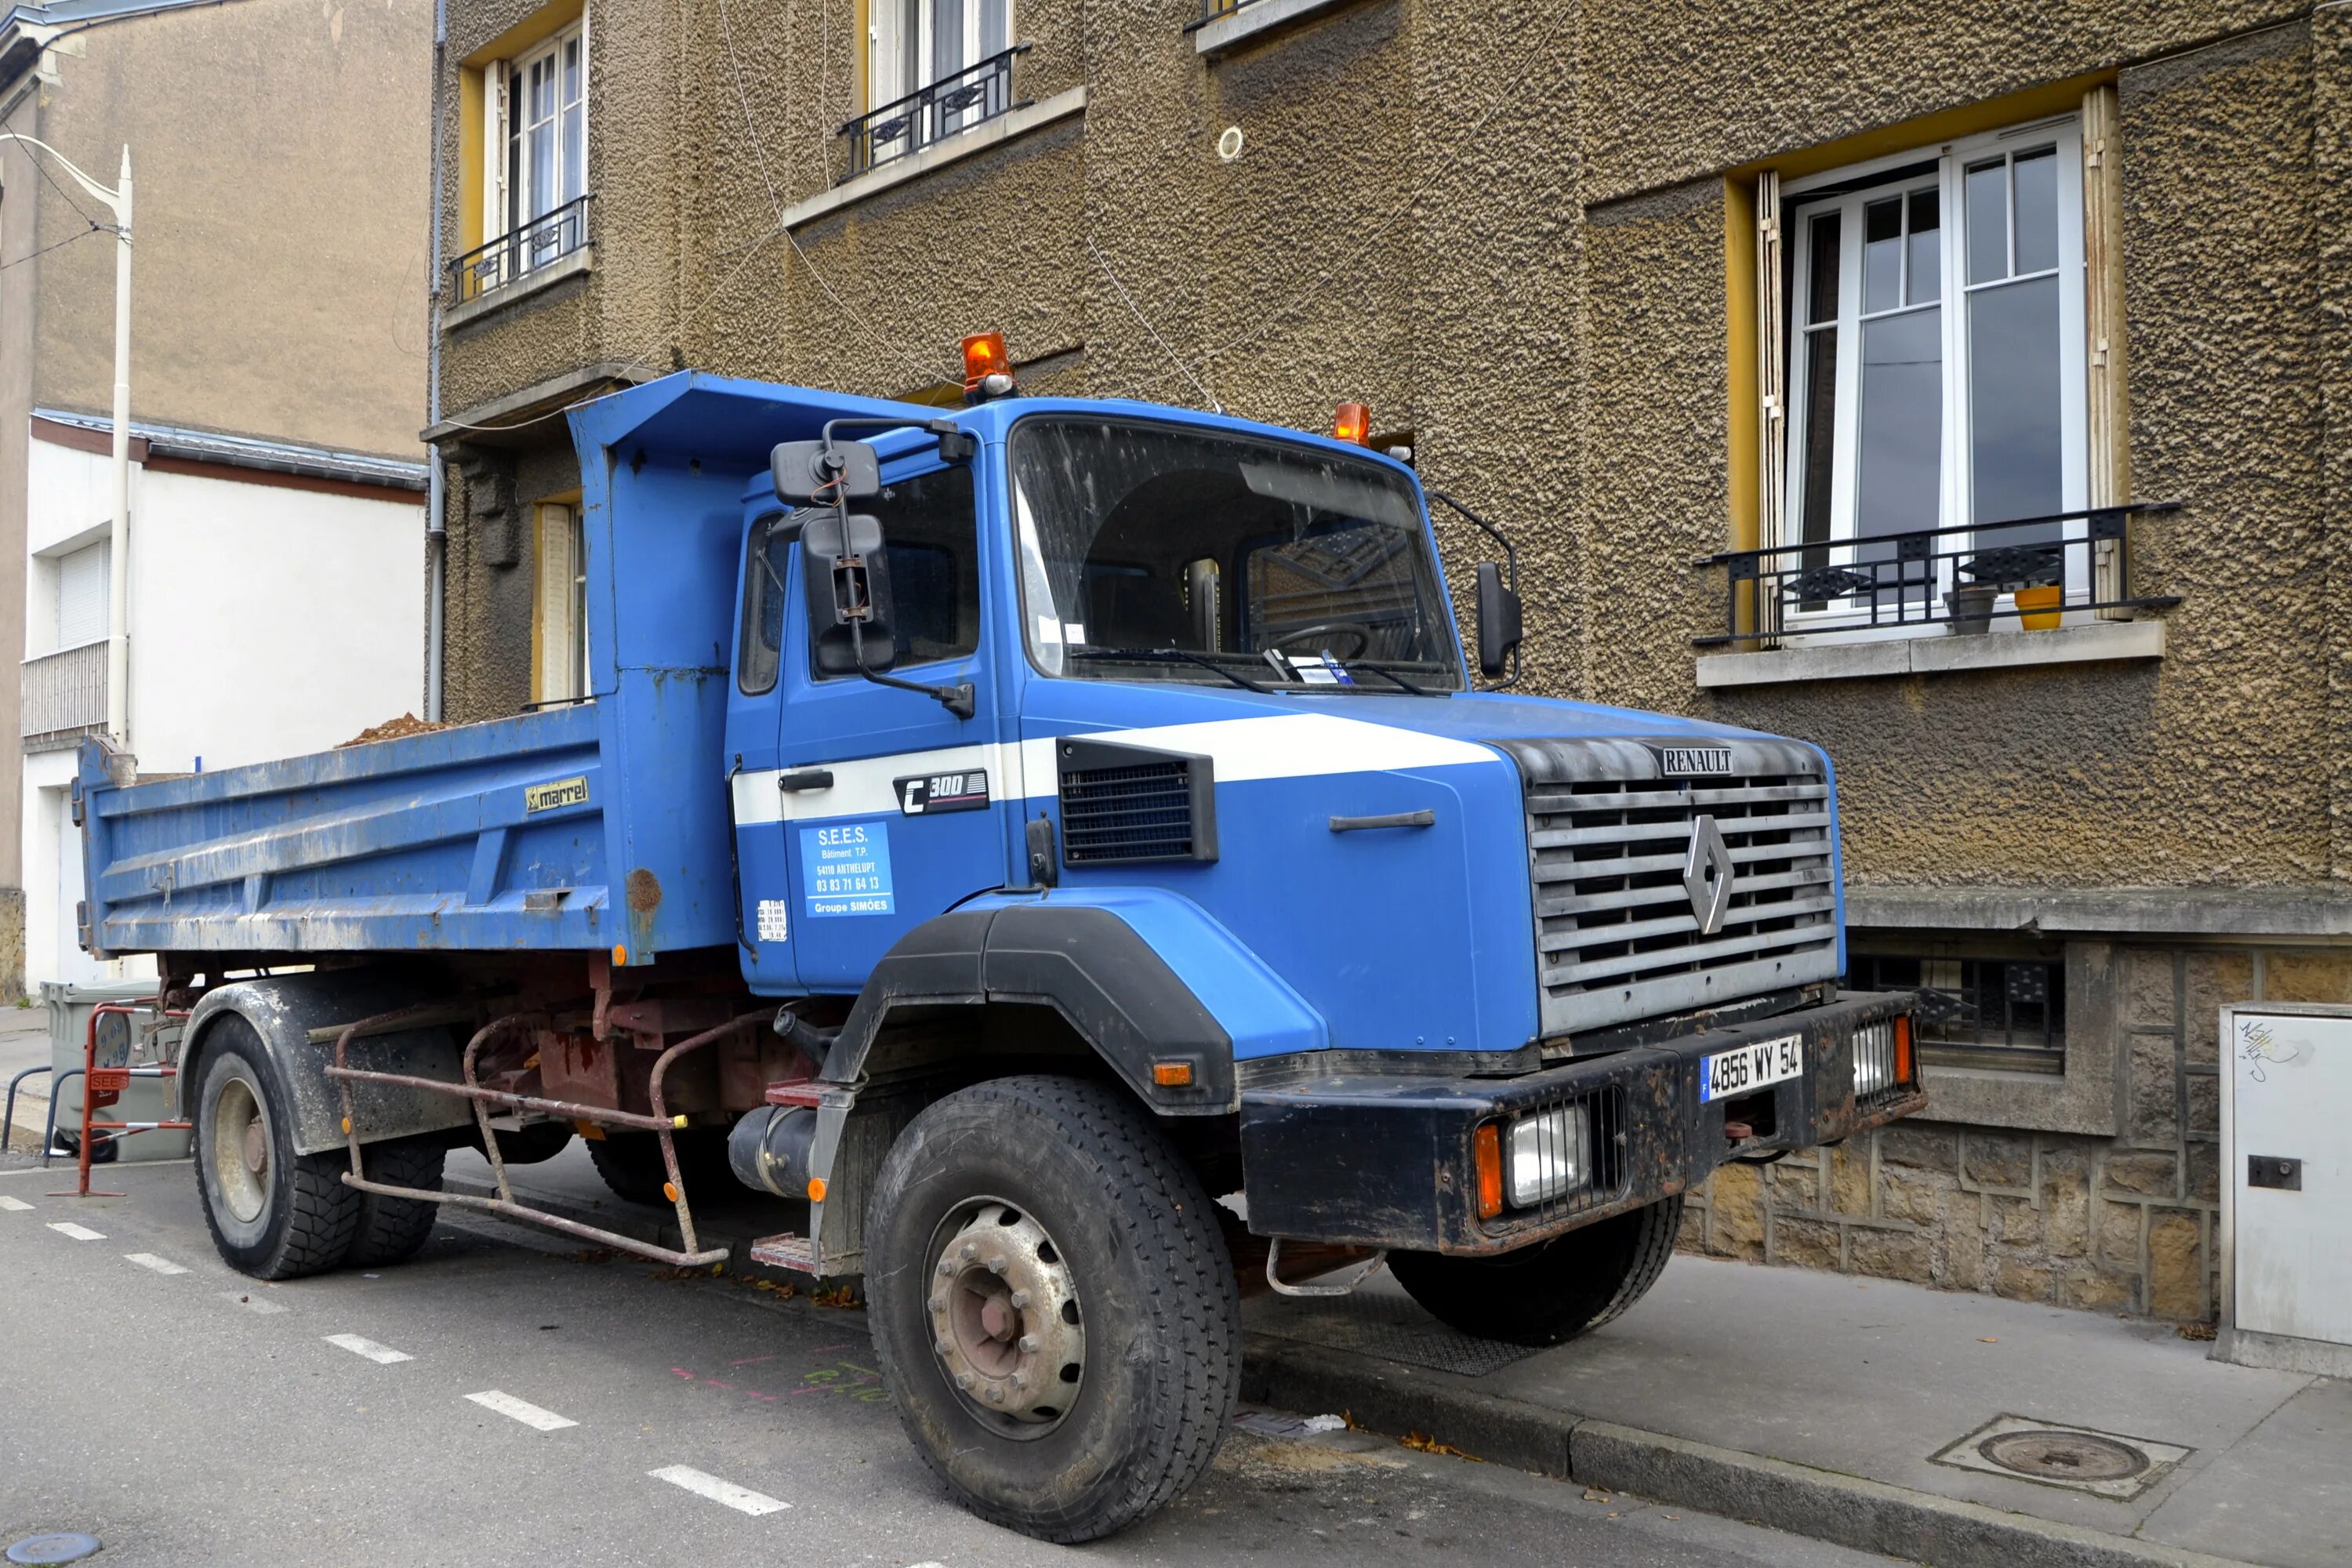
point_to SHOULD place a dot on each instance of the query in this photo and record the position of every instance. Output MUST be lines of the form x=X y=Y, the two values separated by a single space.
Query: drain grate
x=2104 y=1464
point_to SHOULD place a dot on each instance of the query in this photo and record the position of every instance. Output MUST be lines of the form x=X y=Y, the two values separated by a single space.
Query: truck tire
x=1548 y=1293
x=1053 y=1306
x=274 y=1214
x=390 y=1230
x=631 y=1165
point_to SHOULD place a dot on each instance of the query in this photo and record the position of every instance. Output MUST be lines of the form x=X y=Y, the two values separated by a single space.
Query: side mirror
x=807 y=473
x=1498 y=620
x=847 y=571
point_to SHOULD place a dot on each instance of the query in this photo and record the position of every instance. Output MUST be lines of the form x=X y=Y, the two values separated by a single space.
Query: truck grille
x=1620 y=932
x=1141 y=813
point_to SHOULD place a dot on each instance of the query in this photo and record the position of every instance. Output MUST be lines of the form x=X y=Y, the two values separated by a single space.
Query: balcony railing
x=1212 y=9
x=548 y=238
x=1965 y=578
x=948 y=107
x=65 y=697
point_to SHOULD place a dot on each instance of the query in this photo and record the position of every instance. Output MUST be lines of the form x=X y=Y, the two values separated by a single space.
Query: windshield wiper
x=1355 y=665
x=1174 y=656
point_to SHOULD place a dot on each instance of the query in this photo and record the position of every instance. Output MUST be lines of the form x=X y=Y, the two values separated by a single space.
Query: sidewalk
x=1822 y=1404
x=24 y=1043
x=1816 y=1403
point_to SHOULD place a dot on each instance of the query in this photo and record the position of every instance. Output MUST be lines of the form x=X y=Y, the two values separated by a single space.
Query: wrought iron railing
x=1212 y=9
x=948 y=107
x=1964 y=578
x=65 y=697
x=548 y=238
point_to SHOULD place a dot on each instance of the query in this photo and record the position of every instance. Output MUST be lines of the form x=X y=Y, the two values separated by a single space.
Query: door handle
x=1422 y=818
x=801 y=779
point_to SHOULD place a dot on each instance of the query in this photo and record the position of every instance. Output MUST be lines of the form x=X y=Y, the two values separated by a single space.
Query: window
x=933 y=67
x=560 y=657
x=931 y=537
x=1936 y=340
x=534 y=160
x=1979 y=1012
x=83 y=588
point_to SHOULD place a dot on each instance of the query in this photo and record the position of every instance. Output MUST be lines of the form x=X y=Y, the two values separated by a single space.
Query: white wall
x=265 y=622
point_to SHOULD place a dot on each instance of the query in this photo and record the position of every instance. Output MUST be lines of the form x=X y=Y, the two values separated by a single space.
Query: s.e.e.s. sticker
x=846 y=870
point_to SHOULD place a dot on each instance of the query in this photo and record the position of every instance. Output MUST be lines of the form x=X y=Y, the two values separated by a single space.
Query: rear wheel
x=274 y=1214
x=631 y=1163
x=1552 y=1292
x=390 y=1229
x=1053 y=1306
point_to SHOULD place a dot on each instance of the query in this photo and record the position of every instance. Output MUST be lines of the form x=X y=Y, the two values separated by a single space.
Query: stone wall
x=2123 y=1224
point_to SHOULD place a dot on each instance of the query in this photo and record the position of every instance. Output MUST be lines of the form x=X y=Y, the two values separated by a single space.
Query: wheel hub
x=240 y=1152
x=1004 y=1316
x=257 y=1147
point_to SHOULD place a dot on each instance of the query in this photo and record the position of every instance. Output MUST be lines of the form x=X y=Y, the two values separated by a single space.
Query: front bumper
x=1369 y=1159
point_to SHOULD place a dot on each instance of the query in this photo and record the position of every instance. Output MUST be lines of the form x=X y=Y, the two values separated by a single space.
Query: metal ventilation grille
x=1137 y=811
x=1617 y=937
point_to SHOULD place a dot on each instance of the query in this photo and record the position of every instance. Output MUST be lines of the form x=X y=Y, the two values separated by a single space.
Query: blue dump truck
x=1060 y=847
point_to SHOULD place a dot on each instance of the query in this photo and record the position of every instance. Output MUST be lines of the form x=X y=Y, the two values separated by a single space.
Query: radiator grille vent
x=1129 y=812
x=1617 y=936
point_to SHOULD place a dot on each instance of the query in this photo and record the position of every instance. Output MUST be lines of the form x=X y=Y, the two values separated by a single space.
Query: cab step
x=786 y=1250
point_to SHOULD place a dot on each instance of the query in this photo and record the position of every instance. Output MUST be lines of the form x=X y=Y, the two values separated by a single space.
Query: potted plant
x=2032 y=575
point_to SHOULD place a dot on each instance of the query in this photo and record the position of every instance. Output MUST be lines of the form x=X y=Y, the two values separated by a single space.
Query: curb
x=1844 y=1511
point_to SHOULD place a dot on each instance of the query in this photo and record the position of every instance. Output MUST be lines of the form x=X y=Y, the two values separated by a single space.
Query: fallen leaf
x=1987 y=1340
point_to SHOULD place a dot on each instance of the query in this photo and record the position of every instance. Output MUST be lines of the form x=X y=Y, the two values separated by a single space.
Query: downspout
x=436 y=533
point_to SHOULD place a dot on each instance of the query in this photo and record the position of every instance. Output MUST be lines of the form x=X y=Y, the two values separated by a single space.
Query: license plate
x=1728 y=1074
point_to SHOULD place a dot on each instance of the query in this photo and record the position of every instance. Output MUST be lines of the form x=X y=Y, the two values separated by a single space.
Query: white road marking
x=382 y=1356
x=160 y=1265
x=15 y=1205
x=528 y=1414
x=79 y=1232
x=251 y=1302
x=741 y=1499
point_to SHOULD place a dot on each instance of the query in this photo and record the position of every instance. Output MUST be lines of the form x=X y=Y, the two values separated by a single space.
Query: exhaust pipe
x=769 y=1149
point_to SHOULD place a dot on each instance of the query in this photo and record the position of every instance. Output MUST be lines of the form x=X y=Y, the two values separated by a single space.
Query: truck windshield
x=1151 y=552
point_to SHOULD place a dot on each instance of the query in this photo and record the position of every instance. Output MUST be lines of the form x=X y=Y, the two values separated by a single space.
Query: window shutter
x=82 y=596
x=555 y=660
x=1772 y=388
x=2109 y=424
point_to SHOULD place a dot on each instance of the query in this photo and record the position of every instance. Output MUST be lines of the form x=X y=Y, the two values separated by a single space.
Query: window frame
x=1857 y=187
x=560 y=671
x=507 y=184
x=887 y=39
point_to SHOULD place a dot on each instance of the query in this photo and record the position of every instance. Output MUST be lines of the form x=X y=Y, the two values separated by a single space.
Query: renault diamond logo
x=1707 y=875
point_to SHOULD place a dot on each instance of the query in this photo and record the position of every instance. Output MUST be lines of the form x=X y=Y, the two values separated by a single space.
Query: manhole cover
x=2063 y=1456
x=2079 y=1458
x=64 y=1548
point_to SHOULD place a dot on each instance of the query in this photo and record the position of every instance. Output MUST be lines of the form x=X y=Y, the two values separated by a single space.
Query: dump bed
x=600 y=825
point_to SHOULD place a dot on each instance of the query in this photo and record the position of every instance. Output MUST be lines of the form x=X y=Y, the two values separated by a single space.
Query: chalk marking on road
x=528 y=1414
x=149 y=1260
x=15 y=1205
x=251 y=1302
x=382 y=1356
x=79 y=1232
x=742 y=1499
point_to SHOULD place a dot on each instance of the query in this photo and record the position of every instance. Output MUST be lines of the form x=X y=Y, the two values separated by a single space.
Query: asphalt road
x=184 y=1415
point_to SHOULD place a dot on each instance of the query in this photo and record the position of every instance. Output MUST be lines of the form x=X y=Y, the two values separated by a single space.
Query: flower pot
x=2037 y=608
x=1971 y=609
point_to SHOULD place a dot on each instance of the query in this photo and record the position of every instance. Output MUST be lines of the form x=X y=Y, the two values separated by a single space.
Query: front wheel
x=1053 y=1305
x=1548 y=1293
x=274 y=1214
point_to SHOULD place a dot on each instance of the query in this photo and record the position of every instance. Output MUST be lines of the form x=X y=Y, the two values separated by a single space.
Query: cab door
x=891 y=804
x=763 y=891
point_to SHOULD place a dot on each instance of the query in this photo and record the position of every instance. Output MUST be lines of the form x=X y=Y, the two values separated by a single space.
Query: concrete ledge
x=538 y=279
x=1867 y=1516
x=2093 y=642
x=954 y=150
x=2312 y=913
x=1219 y=33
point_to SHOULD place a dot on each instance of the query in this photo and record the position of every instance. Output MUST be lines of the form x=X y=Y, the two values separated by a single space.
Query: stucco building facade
x=1648 y=286
x=279 y=338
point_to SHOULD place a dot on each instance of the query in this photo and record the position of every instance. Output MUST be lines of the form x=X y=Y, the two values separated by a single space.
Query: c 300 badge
x=929 y=795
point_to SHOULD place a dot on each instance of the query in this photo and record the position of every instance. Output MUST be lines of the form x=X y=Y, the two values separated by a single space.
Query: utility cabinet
x=2286 y=1187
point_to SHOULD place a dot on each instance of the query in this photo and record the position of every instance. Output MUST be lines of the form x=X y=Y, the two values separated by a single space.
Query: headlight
x=1550 y=1155
x=1881 y=1053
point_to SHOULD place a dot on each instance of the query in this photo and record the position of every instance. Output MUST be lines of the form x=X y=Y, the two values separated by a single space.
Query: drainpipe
x=437 y=490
